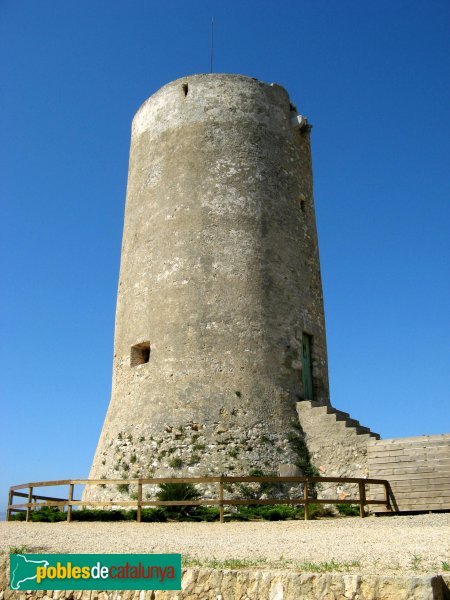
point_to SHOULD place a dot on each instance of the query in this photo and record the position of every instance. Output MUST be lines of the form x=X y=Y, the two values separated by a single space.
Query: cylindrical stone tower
x=219 y=324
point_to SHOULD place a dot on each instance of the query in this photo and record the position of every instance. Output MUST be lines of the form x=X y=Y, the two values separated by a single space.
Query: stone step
x=340 y=415
x=330 y=414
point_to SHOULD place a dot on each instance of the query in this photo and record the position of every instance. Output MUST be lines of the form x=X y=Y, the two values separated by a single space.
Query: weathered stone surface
x=219 y=282
x=207 y=584
x=335 y=449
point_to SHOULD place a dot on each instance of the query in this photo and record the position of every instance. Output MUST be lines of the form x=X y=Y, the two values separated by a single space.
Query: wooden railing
x=37 y=501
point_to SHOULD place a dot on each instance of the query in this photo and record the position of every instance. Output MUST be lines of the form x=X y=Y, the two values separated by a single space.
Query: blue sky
x=373 y=79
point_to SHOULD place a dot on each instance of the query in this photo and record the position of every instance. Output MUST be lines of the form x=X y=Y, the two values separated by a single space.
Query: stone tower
x=220 y=326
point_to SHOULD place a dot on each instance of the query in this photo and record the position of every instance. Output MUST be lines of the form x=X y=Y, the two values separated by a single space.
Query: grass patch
x=445 y=566
x=22 y=549
x=227 y=563
x=281 y=563
x=198 y=447
x=328 y=567
x=416 y=562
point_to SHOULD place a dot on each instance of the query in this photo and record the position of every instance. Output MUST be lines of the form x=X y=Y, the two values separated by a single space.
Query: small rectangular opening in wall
x=140 y=354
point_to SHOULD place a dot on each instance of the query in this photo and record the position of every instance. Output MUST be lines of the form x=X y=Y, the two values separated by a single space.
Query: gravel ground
x=384 y=545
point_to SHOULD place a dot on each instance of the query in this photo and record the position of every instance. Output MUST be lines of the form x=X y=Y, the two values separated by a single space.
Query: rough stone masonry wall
x=219 y=280
x=176 y=450
x=335 y=450
x=207 y=584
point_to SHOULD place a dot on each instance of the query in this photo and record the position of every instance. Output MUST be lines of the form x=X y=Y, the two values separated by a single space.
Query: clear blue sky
x=372 y=77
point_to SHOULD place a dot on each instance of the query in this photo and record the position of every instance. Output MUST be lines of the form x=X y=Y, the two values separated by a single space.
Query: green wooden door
x=307 y=367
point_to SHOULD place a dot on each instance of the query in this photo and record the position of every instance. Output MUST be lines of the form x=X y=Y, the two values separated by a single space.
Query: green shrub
x=98 y=515
x=316 y=511
x=20 y=516
x=177 y=491
x=153 y=515
x=204 y=513
x=123 y=488
x=274 y=515
x=48 y=514
x=274 y=512
x=348 y=510
x=176 y=463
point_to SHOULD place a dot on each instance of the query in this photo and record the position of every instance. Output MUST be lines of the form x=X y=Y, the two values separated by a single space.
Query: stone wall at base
x=209 y=584
x=336 y=449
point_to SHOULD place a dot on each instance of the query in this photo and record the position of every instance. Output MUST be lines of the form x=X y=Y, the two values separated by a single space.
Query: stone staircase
x=337 y=443
x=330 y=415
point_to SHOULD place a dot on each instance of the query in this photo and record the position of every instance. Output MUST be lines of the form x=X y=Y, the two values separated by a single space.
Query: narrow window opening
x=140 y=354
x=302 y=205
x=185 y=89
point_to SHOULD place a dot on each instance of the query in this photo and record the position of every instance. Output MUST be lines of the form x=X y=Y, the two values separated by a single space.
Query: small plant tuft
x=22 y=549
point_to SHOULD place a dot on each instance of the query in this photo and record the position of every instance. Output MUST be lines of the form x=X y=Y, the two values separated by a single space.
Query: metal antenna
x=212 y=43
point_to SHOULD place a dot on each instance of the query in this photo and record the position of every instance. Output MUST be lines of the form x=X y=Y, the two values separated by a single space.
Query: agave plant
x=177 y=491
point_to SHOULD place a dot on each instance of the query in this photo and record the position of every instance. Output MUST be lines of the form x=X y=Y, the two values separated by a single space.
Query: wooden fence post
x=362 y=499
x=30 y=496
x=305 y=496
x=139 y=501
x=222 y=519
x=69 y=503
x=386 y=496
x=10 y=501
